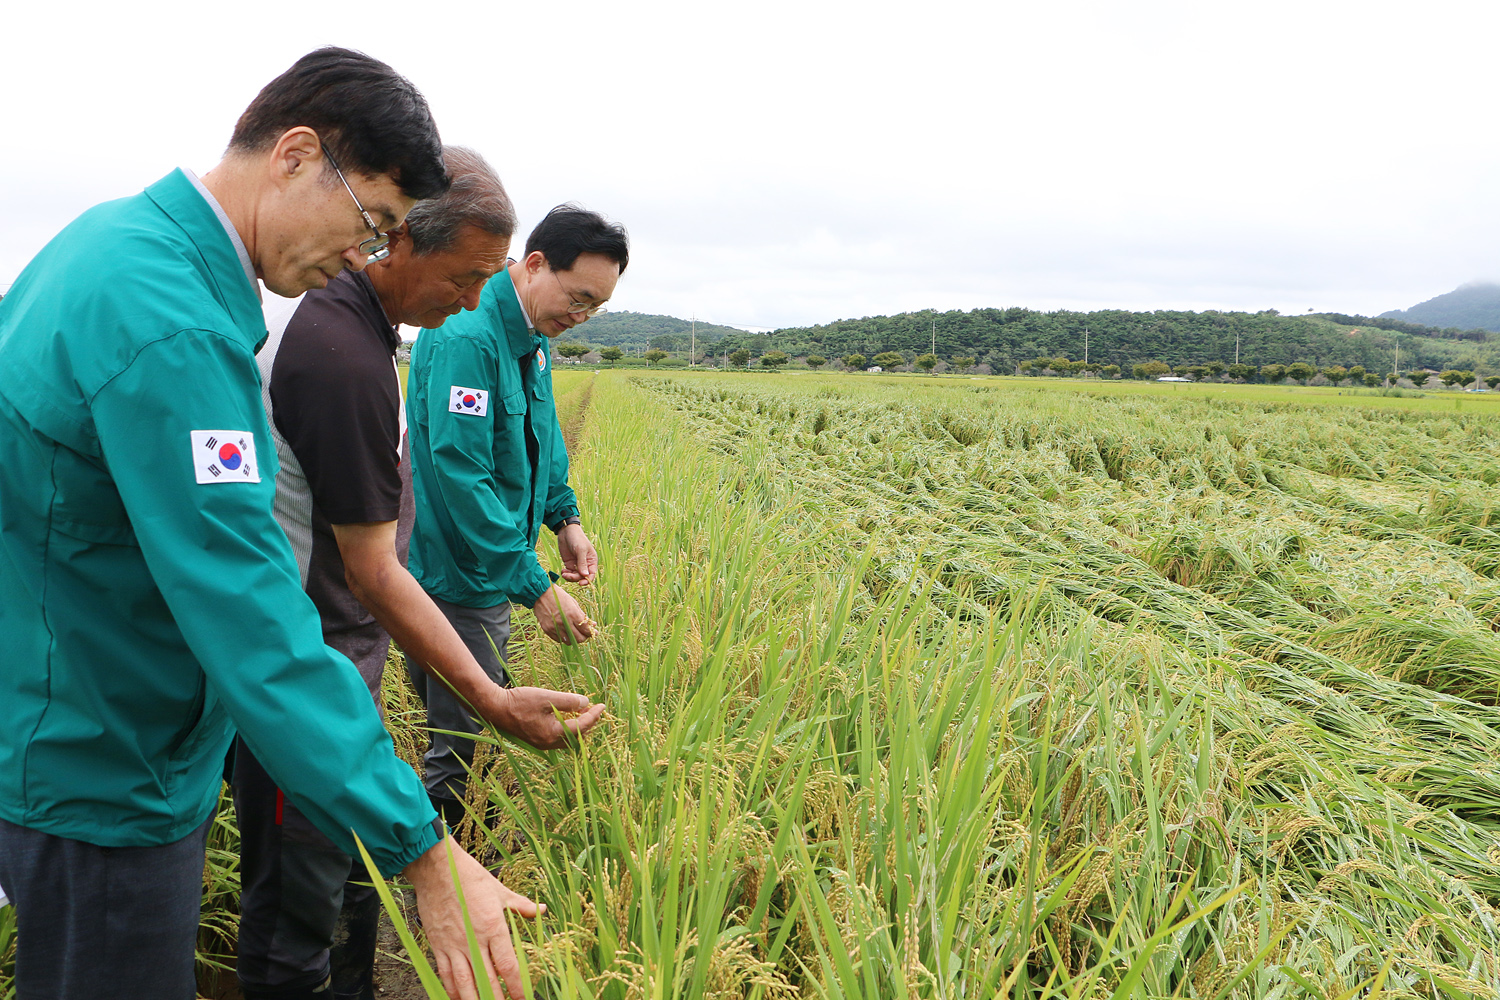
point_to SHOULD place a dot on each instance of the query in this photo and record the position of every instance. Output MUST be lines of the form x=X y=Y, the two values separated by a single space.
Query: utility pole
x=1085 y=345
x=1236 y=347
x=693 y=348
x=1396 y=373
x=934 y=335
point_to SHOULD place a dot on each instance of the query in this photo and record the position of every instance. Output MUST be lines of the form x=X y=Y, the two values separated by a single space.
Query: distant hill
x=1003 y=338
x=633 y=329
x=1468 y=306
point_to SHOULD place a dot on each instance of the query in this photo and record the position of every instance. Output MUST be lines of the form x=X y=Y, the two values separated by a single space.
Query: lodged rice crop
x=964 y=690
x=967 y=689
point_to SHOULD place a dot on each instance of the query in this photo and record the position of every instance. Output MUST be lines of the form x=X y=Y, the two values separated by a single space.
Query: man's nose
x=469 y=300
x=354 y=260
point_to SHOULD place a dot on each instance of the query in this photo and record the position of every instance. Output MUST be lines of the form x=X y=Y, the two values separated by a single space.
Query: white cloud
x=791 y=163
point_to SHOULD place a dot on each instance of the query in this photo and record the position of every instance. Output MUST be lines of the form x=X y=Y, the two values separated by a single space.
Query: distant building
x=874 y=368
x=1173 y=378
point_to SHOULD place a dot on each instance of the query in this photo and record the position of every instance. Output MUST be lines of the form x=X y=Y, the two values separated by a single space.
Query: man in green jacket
x=489 y=466
x=149 y=601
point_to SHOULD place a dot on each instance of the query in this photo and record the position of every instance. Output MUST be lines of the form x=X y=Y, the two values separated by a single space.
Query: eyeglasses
x=578 y=308
x=377 y=247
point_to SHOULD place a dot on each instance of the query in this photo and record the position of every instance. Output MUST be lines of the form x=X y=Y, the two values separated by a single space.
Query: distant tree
x=816 y=361
x=571 y=350
x=1198 y=371
x=1450 y=377
x=773 y=359
x=1301 y=371
x=654 y=355
x=1110 y=371
x=739 y=358
x=1042 y=364
x=1181 y=371
x=1335 y=373
x=888 y=359
x=855 y=361
x=1151 y=369
x=1465 y=379
x=1215 y=368
x=961 y=362
x=1417 y=377
x=1357 y=373
x=1024 y=367
x=927 y=362
x=1243 y=372
x=1370 y=379
x=1273 y=373
x=1492 y=381
x=611 y=354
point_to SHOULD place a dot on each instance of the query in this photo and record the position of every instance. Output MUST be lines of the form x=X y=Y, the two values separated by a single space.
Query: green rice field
x=958 y=688
x=966 y=688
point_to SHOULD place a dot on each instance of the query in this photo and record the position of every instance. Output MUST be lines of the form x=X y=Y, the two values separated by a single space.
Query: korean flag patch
x=465 y=400
x=224 y=457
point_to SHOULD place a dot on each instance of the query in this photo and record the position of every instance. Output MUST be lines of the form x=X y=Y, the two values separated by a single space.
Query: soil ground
x=395 y=979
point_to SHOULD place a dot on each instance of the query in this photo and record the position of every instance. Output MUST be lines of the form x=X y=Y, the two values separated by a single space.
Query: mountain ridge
x=1475 y=304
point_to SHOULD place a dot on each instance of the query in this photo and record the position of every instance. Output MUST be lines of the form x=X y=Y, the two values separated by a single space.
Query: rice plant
x=922 y=692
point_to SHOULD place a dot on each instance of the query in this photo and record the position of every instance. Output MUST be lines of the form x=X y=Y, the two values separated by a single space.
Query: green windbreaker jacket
x=489 y=466
x=149 y=602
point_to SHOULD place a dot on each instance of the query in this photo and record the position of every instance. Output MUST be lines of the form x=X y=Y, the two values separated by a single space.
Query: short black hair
x=369 y=116
x=569 y=230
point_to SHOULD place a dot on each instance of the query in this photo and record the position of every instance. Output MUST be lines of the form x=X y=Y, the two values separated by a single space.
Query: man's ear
x=535 y=261
x=296 y=154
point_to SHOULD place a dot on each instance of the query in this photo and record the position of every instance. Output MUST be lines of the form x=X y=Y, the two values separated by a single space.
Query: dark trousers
x=308 y=913
x=446 y=765
x=98 y=921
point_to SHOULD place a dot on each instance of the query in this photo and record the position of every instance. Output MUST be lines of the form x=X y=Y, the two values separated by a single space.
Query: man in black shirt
x=343 y=496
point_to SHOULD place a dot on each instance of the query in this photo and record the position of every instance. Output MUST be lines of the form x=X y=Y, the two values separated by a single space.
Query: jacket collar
x=176 y=195
x=519 y=338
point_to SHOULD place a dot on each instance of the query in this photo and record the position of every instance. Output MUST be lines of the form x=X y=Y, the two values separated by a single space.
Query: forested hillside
x=1003 y=338
x=642 y=330
x=1473 y=305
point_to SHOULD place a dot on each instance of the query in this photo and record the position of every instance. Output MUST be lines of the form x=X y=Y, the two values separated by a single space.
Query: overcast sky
x=791 y=163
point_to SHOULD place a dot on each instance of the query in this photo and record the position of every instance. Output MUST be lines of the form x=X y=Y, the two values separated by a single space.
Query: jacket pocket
x=206 y=720
x=515 y=403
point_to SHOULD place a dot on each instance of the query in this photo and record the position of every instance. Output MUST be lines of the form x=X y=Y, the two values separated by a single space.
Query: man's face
x=313 y=229
x=424 y=290
x=589 y=283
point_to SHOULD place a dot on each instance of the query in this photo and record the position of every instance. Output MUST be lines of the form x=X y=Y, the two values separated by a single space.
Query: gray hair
x=477 y=198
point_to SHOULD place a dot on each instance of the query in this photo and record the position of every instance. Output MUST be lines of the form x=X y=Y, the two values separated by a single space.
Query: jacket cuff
x=431 y=836
x=536 y=584
x=557 y=517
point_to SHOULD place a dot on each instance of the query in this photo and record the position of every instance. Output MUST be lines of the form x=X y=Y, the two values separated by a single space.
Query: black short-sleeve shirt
x=334 y=402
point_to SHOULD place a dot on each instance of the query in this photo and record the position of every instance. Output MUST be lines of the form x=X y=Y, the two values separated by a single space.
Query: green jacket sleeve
x=226 y=572
x=561 y=502
x=462 y=446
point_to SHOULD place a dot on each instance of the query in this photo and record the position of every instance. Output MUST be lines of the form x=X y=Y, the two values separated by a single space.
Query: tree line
x=1004 y=338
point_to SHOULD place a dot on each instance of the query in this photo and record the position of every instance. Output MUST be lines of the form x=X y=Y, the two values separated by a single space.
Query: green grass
x=935 y=688
x=1025 y=688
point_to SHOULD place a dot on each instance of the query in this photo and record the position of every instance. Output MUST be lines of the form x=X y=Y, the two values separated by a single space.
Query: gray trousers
x=103 y=921
x=309 y=916
x=485 y=631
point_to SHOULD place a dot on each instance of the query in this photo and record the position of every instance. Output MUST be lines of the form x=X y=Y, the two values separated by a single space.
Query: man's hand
x=561 y=617
x=580 y=561
x=443 y=920
x=530 y=714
